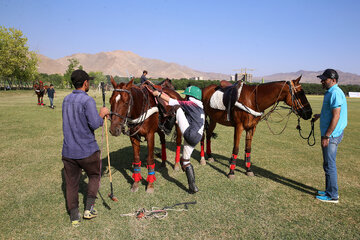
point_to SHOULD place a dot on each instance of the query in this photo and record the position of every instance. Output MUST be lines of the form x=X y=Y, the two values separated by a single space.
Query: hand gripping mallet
x=111 y=195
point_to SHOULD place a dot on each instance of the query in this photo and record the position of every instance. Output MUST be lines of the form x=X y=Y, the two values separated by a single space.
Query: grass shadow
x=124 y=166
x=259 y=172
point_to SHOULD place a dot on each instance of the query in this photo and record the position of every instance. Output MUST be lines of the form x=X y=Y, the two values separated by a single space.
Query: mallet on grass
x=111 y=195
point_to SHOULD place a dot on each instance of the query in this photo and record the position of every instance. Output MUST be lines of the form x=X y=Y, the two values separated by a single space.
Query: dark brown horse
x=40 y=90
x=134 y=108
x=256 y=100
x=167 y=84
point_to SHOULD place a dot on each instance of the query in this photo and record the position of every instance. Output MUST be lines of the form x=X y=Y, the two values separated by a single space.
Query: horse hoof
x=250 y=173
x=150 y=188
x=135 y=187
x=211 y=159
x=177 y=167
x=231 y=176
x=202 y=161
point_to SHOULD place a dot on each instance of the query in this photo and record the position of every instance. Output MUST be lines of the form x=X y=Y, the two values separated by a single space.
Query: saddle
x=230 y=95
x=167 y=114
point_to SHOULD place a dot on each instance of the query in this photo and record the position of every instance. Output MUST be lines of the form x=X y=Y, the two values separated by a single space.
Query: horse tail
x=213 y=135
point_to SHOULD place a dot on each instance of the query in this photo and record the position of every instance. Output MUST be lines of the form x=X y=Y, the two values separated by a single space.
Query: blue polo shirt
x=80 y=120
x=334 y=98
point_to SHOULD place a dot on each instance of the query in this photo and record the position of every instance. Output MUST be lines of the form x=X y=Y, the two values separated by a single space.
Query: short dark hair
x=51 y=85
x=78 y=77
x=145 y=72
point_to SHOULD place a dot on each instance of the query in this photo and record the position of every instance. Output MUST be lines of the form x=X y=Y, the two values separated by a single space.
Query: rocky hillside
x=123 y=63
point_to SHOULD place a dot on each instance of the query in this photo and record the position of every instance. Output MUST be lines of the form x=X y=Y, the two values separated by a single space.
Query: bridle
x=294 y=100
x=125 y=119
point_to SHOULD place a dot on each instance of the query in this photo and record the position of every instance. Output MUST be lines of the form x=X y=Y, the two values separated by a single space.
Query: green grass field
x=278 y=203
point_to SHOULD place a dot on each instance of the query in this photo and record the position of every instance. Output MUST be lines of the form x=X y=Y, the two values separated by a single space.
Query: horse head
x=121 y=102
x=167 y=84
x=296 y=98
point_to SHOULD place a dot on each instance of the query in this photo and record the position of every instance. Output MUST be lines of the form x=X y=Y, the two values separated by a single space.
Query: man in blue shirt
x=333 y=120
x=80 y=149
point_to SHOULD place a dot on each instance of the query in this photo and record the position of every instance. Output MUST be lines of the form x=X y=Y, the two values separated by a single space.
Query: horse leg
x=202 y=152
x=237 y=134
x=136 y=164
x=38 y=99
x=150 y=163
x=178 y=149
x=209 y=133
x=249 y=137
x=163 y=148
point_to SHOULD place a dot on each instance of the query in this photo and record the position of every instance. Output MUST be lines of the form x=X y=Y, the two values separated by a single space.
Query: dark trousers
x=72 y=170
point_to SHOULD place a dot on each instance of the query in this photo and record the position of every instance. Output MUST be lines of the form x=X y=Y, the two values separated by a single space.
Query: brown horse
x=256 y=100
x=40 y=90
x=167 y=84
x=133 y=107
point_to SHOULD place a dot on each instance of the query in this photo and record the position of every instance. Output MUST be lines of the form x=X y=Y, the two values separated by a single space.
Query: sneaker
x=89 y=214
x=76 y=222
x=321 y=193
x=327 y=199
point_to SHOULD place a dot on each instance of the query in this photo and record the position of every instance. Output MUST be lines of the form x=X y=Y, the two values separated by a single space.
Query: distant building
x=196 y=78
x=247 y=77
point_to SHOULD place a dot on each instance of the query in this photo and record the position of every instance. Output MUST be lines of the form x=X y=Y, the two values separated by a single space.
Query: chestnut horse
x=135 y=108
x=256 y=100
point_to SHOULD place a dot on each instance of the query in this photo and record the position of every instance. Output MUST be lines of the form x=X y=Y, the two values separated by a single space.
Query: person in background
x=190 y=118
x=80 y=149
x=333 y=120
x=51 y=95
x=143 y=77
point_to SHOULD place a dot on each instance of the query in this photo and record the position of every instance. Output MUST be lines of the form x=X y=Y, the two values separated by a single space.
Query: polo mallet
x=111 y=195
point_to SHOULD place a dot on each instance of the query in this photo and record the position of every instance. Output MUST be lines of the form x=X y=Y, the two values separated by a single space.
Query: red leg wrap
x=202 y=153
x=137 y=177
x=234 y=156
x=151 y=173
x=177 y=157
x=248 y=164
x=232 y=166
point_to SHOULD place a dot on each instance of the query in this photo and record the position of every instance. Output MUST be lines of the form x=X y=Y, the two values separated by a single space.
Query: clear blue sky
x=270 y=36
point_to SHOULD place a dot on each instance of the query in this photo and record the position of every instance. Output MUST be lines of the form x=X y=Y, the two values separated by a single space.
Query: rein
x=312 y=132
x=294 y=99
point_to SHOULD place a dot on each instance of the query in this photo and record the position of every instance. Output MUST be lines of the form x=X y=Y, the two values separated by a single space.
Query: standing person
x=333 y=120
x=143 y=77
x=190 y=118
x=51 y=95
x=80 y=149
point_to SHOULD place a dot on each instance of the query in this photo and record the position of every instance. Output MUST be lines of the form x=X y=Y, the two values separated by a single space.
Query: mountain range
x=125 y=63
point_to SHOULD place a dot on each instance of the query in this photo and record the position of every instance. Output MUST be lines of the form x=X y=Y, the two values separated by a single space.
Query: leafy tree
x=16 y=61
x=98 y=78
x=74 y=64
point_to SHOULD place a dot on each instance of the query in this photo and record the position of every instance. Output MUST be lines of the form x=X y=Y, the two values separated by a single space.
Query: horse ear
x=113 y=81
x=129 y=84
x=296 y=81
